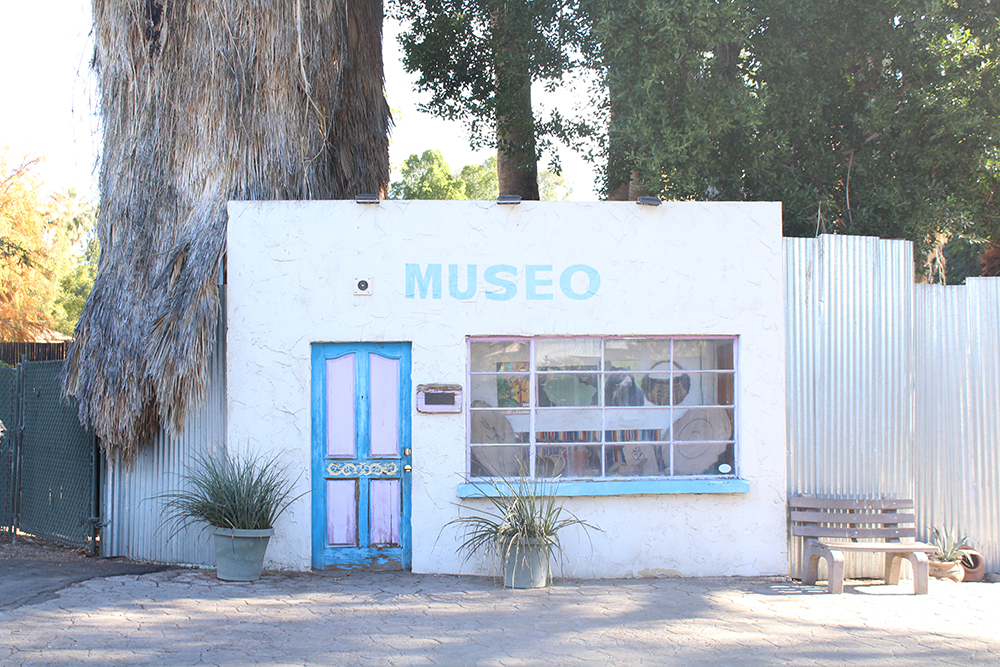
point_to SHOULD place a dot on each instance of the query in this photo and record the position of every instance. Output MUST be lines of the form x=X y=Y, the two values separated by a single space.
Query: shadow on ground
x=33 y=571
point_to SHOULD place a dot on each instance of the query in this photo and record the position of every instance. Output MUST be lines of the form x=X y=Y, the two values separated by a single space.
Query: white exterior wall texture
x=677 y=269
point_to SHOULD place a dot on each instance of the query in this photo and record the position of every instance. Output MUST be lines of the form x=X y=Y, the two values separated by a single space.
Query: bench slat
x=880 y=547
x=810 y=530
x=883 y=518
x=804 y=502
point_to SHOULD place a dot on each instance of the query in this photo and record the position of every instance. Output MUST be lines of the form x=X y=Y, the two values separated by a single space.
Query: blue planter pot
x=239 y=554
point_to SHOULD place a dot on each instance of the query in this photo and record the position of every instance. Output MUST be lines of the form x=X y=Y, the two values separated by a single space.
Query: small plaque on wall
x=439 y=398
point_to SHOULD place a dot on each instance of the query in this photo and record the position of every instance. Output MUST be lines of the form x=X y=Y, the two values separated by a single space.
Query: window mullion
x=533 y=406
x=468 y=409
x=600 y=399
x=670 y=425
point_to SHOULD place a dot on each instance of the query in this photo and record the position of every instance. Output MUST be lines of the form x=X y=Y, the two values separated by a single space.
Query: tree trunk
x=989 y=261
x=206 y=102
x=517 y=166
x=619 y=175
x=732 y=143
x=517 y=160
x=621 y=180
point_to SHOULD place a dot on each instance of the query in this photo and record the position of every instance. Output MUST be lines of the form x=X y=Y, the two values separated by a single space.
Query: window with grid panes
x=602 y=408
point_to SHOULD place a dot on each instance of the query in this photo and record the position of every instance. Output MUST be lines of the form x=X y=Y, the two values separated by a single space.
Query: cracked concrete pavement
x=188 y=617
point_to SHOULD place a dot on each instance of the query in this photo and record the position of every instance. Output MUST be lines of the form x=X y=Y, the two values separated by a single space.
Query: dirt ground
x=33 y=548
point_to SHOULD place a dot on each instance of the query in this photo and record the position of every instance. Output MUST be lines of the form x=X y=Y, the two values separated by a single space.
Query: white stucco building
x=633 y=356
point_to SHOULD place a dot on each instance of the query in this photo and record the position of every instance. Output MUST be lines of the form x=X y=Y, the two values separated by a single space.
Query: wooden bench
x=840 y=523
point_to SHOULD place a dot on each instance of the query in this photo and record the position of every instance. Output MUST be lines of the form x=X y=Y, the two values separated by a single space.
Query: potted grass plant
x=519 y=529
x=240 y=496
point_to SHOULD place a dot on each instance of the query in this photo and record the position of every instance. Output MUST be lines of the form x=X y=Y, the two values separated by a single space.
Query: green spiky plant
x=521 y=512
x=949 y=549
x=244 y=492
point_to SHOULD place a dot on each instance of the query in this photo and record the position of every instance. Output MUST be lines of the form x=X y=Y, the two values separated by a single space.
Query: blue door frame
x=372 y=479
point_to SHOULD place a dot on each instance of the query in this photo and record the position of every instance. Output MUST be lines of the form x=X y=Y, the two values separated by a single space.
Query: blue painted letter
x=470 y=284
x=532 y=282
x=510 y=289
x=566 y=281
x=431 y=280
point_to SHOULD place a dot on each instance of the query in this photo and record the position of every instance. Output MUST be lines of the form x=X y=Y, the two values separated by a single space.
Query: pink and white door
x=361 y=456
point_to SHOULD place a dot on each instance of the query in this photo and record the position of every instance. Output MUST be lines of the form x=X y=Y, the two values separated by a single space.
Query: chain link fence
x=53 y=461
x=8 y=412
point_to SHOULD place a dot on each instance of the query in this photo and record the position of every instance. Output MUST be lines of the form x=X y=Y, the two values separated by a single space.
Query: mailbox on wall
x=439 y=398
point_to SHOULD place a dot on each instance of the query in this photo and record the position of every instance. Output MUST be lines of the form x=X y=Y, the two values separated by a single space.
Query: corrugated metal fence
x=892 y=387
x=134 y=511
x=957 y=425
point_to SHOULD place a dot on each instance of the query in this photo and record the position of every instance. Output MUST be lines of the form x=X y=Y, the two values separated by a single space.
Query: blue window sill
x=616 y=487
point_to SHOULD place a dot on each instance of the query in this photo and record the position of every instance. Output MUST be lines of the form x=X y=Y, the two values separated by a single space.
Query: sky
x=48 y=108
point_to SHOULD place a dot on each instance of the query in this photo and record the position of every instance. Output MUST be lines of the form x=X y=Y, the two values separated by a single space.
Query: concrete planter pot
x=946 y=569
x=527 y=565
x=239 y=554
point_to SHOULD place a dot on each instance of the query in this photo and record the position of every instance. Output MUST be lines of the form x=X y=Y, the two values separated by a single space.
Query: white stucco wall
x=677 y=269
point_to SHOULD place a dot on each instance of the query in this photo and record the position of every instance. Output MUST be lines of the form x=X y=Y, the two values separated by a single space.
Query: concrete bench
x=832 y=526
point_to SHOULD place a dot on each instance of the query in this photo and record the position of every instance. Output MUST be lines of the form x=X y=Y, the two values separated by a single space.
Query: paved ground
x=187 y=617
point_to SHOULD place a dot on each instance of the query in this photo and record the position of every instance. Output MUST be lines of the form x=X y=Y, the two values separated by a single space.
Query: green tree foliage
x=962 y=259
x=888 y=120
x=553 y=186
x=74 y=288
x=47 y=255
x=679 y=103
x=75 y=218
x=478 y=59
x=861 y=116
x=427 y=176
x=481 y=180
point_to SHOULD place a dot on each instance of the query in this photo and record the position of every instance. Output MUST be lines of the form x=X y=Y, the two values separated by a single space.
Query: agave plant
x=949 y=549
x=521 y=512
x=244 y=492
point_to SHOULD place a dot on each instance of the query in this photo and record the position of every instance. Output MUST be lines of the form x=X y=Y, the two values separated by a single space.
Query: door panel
x=385 y=405
x=384 y=506
x=341 y=517
x=340 y=406
x=361 y=455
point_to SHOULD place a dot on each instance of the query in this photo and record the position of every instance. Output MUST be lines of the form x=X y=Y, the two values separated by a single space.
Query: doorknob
x=407 y=452
x=407 y=468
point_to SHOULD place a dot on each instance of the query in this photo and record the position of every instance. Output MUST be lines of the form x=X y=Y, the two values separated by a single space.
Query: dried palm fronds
x=202 y=103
